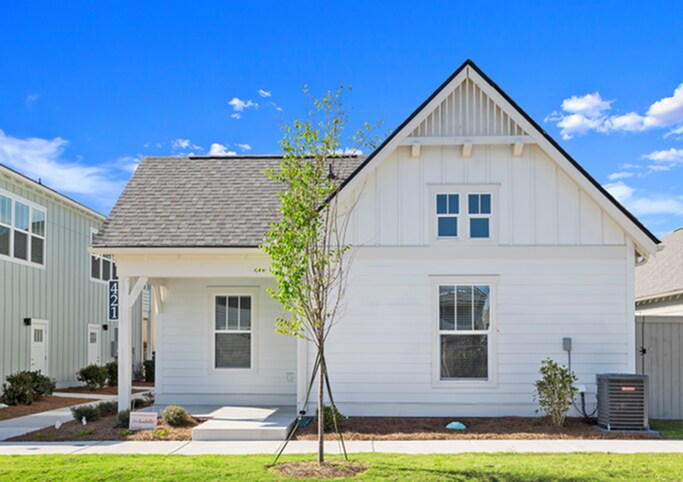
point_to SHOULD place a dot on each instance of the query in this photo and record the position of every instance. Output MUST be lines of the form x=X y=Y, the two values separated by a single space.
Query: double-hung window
x=464 y=317
x=479 y=212
x=22 y=230
x=232 y=331
x=447 y=211
x=102 y=267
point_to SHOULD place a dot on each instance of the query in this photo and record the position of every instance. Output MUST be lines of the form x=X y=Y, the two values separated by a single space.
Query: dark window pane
x=37 y=250
x=233 y=350
x=4 y=240
x=21 y=215
x=446 y=307
x=21 y=245
x=221 y=303
x=233 y=312
x=464 y=356
x=95 y=267
x=5 y=210
x=453 y=204
x=245 y=313
x=485 y=204
x=441 y=204
x=448 y=227
x=479 y=228
x=473 y=204
x=38 y=222
x=464 y=310
x=114 y=275
x=481 y=307
x=106 y=269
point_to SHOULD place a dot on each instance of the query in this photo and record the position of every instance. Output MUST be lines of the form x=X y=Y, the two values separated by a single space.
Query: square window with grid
x=479 y=212
x=22 y=230
x=447 y=211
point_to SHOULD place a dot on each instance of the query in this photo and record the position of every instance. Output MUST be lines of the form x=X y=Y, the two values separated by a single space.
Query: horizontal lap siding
x=184 y=346
x=380 y=352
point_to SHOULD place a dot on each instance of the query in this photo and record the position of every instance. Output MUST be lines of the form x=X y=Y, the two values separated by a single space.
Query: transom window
x=447 y=211
x=464 y=331
x=22 y=230
x=232 y=331
x=102 y=267
x=479 y=212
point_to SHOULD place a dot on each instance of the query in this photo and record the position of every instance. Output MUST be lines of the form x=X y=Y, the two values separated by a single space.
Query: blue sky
x=87 y=88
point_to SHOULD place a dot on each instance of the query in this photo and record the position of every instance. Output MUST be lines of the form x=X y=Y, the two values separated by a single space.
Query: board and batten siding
x=185 y=373
x=62 y=292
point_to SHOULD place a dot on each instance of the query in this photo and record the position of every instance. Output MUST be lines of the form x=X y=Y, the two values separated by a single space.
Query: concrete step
x=247 y=423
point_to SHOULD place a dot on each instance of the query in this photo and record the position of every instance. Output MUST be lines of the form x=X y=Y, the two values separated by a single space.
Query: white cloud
x=180 y=144
x=349 y=151
x=31 y=99
x=264 y=93
x=582 y=114
x=239 y=106
x=619 y=175
x=645 y=205
x=43 y=159
x=220 y=150
x=236 y=115
x=674 y=132
x=620 y=191
x=244 y=147
x=674 y=156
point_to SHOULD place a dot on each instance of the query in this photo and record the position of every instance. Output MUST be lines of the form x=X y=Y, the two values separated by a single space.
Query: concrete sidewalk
x=304 y=447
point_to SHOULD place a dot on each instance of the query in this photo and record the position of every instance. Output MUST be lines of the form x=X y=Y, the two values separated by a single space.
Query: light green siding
x=62 y=293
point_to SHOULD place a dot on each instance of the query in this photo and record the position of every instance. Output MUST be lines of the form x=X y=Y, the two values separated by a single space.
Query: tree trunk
x=321 y=409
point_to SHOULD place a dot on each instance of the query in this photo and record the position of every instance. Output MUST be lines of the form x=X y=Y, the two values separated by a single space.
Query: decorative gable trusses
x=467 y=116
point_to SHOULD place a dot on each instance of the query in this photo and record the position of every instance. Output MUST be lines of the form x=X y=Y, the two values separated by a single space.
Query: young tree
x=309 y=255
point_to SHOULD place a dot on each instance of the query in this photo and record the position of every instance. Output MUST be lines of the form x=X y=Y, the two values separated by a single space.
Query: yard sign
x=113 y=300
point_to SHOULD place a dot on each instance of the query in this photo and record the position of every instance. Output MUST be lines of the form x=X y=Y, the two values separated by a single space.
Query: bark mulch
x=517 y=428
x=97 y=391
x=41 y=405
x=105 y=429
x=327 y=470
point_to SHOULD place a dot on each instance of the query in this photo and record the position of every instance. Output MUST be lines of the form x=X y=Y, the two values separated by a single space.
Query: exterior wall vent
x=622 y=401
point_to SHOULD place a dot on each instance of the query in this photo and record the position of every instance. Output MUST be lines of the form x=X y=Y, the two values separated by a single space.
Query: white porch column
x=125 y=344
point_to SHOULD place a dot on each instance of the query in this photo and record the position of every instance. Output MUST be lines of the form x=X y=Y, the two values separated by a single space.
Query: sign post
x=113 y=300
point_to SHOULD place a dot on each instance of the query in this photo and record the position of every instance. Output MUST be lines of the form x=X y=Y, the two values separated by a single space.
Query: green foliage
x=174 y=415
x=138 y=402
x=90 y=412
x=160 y=432
x=108 y=408
x=123 y=419
x=94 y=376
x=25 y=387
x=330 y=414
x=112 y=373
x=555 y=390
x=668 y=429
x=86 y=431
x=149 y=370
x=125 y=433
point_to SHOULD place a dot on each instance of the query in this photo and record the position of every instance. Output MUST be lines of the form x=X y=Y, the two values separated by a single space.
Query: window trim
x=100 y=259
x=14 y=198
x=492 y=380
x=438 y=216
x=479 y=215
x=232 y=291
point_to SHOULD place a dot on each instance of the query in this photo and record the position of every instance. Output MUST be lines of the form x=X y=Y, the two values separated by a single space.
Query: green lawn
x=671 y=429
x=489 y=467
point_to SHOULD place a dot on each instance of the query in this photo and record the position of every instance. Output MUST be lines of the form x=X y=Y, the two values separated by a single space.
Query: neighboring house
x=52 y=290
x=659 y=282
x=479 y=244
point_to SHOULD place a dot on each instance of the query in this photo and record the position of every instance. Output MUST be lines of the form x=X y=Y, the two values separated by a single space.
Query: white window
x=447 y=211
x=464 y=331
x=102 y=268
x=479 y=212
x=22 y=230
x=233 y=331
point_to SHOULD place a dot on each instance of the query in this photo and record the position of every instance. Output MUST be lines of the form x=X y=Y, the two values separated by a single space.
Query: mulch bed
x=327 y=470
x=399 y=428
x=105 y=429
x=97 y=391
x=42 y=405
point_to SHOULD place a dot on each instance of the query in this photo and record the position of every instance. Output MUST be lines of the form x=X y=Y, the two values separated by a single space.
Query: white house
x=479 y=245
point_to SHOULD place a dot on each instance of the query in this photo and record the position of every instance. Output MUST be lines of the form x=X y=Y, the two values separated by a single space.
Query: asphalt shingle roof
x=663 y=273
x=198 y=202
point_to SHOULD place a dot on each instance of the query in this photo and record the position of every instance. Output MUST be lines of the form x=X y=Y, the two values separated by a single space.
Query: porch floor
x=229 y=422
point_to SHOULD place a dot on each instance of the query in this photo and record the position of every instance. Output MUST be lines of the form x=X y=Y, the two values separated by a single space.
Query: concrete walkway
x=305 y=447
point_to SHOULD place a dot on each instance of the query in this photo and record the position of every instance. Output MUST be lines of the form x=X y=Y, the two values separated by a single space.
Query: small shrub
x=42 y=385
x=330 y=414
x=149 y=371
x=90 y=412
x=108 y=408
x=174 y=415
x=125 y=433
x=112 y=373
x=18 y=389
x=94 y=376
x=138 y=403
x=123 y=419
x=555 y=390
x=138 y=375
x=161 y=432
x=86 y=431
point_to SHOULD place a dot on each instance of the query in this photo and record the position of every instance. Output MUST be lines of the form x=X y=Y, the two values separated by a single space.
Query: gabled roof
x=662 y=275
x=192 y=202
x=642 y=236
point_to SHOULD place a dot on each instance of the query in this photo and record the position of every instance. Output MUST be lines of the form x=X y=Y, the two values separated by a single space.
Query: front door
x=39 y=346
x=93 y=344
